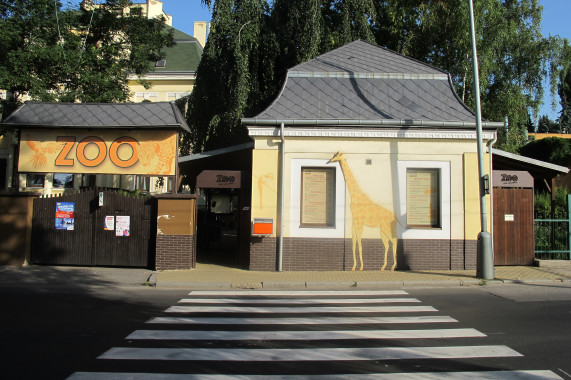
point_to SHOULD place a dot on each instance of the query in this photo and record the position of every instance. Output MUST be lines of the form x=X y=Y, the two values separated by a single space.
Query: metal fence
x=553 y=235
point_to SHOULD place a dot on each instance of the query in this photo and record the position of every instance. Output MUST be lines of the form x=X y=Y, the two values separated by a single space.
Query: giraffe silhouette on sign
x=365 y=212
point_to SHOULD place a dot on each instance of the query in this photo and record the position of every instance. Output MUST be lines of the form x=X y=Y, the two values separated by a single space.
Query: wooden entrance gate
x=513 y=219
x=90 y=243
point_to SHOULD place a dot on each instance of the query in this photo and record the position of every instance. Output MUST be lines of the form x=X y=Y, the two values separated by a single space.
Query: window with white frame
x=176 y=95
x=146 y=96
x=317 y=199
x=424 y=198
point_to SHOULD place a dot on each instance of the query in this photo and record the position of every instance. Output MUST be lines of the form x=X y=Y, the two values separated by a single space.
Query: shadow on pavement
x=56 y=320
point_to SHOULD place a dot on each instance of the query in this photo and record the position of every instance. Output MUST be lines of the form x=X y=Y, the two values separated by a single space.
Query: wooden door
x=513 y=226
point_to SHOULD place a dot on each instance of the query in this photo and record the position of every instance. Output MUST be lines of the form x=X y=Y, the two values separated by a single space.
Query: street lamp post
x=485 y=264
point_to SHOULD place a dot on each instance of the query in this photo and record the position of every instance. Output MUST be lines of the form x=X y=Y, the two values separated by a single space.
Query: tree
x=553 y=149
x=227 y=74
x=546 y=125
x=564 y=91
x=57 y=54
x=513 y=56
x=356 y=16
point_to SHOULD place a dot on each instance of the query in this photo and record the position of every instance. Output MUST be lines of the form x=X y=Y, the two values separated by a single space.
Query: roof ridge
x=361 y=65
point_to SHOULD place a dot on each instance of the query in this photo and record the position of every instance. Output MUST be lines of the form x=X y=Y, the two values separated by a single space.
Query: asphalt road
x=52 y=332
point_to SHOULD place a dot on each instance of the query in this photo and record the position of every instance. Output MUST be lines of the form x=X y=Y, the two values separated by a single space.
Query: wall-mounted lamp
x=486 y=183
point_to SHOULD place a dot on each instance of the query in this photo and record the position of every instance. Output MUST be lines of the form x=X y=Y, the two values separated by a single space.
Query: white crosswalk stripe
x=304 y=354
x=304 y=335
x=319 y=309
x=313 y=301
x=264 y=328
x=476 y=375
x=303 y=321
x=298 y=293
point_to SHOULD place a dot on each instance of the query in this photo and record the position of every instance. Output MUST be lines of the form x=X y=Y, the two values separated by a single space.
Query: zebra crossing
x=218 y=335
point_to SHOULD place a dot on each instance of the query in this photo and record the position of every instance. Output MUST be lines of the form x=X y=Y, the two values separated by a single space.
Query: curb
x=348 y=285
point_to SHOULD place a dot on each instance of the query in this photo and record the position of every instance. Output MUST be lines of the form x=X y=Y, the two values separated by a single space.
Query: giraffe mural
x=365 y=212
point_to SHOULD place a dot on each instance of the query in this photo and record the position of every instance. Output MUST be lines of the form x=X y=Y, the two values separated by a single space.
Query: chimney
x=200 y=32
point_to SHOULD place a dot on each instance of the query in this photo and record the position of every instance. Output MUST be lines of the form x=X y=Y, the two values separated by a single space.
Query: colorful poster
x=109 y=223
x=123 y=226
x=65 y=216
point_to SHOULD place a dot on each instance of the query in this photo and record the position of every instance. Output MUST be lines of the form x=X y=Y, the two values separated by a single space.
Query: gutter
x=379 y=123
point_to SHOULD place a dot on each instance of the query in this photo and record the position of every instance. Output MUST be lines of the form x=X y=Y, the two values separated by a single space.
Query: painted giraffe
x=367 y=213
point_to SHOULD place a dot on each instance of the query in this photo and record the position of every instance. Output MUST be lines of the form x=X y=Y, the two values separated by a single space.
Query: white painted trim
x=370 y=133
x=157 y=77
x=295 y=230
x=432 y=233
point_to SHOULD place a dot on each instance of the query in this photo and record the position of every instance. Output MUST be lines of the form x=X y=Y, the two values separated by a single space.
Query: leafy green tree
x=553 y=149
x=356 y=17
x=227 y=74
x=512 y=53
x=53 y=53
x=546 y=125
x=564 y=91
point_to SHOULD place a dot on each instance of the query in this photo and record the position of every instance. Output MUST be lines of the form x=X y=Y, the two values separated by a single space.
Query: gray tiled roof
x=98 y=115
x=362 y=57
x=368 y=99
x=362 y=81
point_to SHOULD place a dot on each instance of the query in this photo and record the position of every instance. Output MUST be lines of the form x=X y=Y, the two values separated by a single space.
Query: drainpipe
x=490 y=143
x=281 y=201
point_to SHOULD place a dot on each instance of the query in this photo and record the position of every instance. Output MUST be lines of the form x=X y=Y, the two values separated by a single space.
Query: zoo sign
x=102 y=152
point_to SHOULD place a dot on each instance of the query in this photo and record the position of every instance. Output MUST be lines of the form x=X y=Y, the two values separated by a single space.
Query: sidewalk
x=207 y=276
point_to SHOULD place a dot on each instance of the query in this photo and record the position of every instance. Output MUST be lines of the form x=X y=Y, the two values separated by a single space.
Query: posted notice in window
x=317 y=196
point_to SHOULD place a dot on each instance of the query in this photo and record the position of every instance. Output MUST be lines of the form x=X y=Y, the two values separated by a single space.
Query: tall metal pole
x=485 y=264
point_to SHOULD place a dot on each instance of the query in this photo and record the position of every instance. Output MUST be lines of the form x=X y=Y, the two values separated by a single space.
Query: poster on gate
x=65 y=216
x=109 y=223
x=123 y=226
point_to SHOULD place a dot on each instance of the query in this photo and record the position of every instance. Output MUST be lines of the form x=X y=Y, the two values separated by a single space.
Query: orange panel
x=263 y=228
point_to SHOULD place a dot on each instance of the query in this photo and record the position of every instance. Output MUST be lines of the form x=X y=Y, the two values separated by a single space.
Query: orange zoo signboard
x=98 y=152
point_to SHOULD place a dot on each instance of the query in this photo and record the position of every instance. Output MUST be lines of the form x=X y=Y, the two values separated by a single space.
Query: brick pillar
x=176 y=231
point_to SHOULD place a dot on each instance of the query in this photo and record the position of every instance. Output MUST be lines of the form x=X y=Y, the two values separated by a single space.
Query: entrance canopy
x=236 y=158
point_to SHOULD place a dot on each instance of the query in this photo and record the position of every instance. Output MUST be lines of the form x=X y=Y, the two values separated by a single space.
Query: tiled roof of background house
x=98 y=115
x=182 y=57
x=362 y=81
